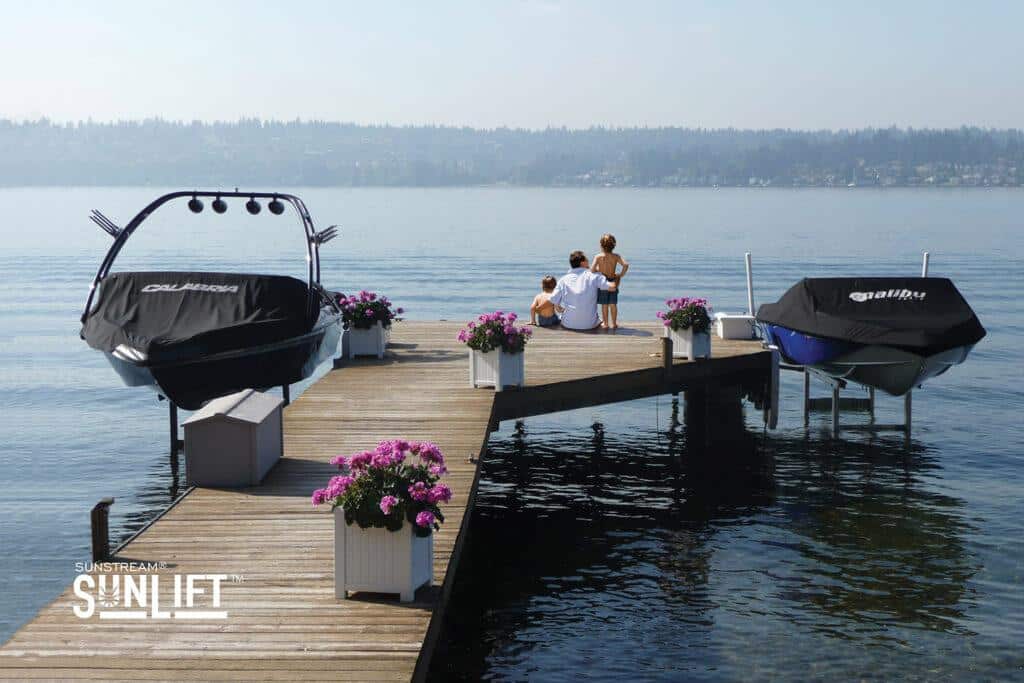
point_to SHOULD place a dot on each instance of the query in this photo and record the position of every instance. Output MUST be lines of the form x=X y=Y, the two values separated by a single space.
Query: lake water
x=613 y=541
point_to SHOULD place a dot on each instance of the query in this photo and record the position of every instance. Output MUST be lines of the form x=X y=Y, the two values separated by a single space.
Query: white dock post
x=750 y=285
x=924 y=265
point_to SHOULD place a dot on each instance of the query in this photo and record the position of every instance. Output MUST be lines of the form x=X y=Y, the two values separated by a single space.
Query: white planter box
x=734 y=326
x=368 y=342
x=380 y=561
x=686 y=344
x=496 y=369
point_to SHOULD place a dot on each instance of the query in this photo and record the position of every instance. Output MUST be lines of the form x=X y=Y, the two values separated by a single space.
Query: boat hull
x=807 y=349
x=191 y=382
x=894 y=371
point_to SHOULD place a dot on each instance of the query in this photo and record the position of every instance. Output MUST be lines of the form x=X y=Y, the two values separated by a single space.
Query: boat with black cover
x=195 y=336
x=882 y=332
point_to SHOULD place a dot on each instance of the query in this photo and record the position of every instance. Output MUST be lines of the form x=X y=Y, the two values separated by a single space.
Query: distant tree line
x=252 y=152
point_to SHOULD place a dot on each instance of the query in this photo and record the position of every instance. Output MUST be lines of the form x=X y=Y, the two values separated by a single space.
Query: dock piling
x=100 y=523
x=666 y=353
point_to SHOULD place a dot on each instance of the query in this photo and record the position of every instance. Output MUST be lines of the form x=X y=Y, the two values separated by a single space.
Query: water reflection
x=701 y=552
x=161 y=485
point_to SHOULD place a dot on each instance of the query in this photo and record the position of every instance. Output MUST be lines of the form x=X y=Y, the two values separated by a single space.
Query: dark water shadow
x=574 y=532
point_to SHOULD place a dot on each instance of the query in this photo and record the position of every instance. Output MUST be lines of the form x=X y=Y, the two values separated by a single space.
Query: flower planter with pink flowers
x=496 y=350
x=386 y=507
x=367 y=317
x=688 y=325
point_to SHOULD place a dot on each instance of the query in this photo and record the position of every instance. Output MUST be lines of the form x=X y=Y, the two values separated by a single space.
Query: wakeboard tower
x=196 y=336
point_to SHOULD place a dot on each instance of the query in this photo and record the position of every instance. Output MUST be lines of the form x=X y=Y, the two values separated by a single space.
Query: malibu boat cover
x=165 y=316
x=923 y=315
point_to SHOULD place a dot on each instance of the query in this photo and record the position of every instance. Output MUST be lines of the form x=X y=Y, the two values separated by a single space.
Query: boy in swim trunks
x=606 y=263
x=542 y=311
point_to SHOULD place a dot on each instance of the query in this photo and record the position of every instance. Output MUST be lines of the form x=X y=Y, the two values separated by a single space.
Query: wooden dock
x=277 y=550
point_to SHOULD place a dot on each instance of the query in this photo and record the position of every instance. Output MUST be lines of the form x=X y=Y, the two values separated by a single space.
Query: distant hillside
x=275 y=153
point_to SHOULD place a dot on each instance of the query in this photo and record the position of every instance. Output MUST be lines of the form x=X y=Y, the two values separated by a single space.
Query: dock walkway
x=284 y=622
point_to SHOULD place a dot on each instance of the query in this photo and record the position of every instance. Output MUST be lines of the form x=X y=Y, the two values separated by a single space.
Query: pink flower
x=339 y=461
x=439 y=494
x=338 y=485
x=419 y=491
x=386 y=503
x=319 y=496
x=425 y=519
x=360 y=461
x=428 y=452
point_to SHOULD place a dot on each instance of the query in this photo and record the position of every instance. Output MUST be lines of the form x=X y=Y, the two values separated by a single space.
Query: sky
x=524 y=63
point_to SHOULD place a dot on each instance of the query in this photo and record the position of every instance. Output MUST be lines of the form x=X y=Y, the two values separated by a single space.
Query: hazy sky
x=531 y=63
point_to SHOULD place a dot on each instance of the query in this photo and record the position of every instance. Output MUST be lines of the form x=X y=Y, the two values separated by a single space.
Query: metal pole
x=750 y=285
x=807 y=398
x=924 y=265
x=835 y=411
x=100 y=522
x=871 y=402
x=908 y=410
x=666 y=353
x=286 y=392
x=172 y=414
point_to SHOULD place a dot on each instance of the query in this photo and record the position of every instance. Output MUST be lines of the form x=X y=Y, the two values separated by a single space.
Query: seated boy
x=542 y=311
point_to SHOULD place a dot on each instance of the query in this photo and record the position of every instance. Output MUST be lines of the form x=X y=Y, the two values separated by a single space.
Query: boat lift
x=834 y=403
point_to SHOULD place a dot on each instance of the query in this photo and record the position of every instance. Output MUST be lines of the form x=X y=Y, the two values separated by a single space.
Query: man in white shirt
x=577 y=293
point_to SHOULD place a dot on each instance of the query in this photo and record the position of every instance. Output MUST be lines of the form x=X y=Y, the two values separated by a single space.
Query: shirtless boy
x=607 y=263
x=542 y=311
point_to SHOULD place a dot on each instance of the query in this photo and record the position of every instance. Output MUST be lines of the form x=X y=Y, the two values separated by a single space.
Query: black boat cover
x=923 y=315
x=171 y=315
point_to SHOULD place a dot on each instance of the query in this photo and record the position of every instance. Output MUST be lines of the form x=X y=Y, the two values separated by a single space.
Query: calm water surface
x=625 y=541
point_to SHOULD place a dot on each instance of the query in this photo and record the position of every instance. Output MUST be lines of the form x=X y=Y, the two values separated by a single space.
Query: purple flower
x=399 y=310
x=386 y=503
x=425 y=519
x=319 y=496
x=339 y=461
